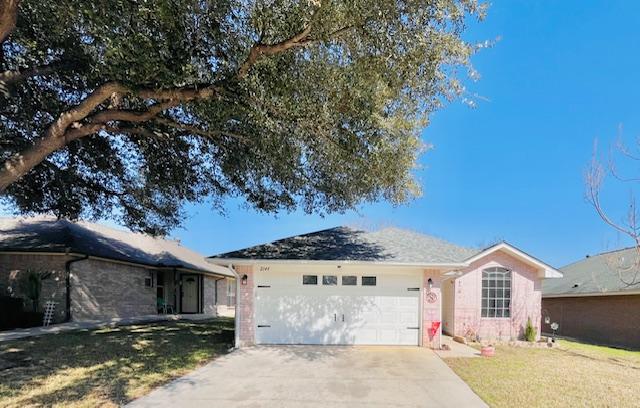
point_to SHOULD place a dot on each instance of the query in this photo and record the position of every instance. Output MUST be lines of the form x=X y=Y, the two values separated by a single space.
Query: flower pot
x=488 y=351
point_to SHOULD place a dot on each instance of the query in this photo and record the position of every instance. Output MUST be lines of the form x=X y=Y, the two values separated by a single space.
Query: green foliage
x=322 y=127
x=530 y=331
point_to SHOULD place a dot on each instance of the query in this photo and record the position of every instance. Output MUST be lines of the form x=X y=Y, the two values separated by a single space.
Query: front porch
x=190 y=293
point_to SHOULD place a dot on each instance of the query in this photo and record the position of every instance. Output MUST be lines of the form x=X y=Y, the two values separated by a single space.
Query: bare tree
x=620 y=155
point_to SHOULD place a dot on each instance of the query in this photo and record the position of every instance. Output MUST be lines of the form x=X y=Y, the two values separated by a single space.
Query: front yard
x=106 y=367
x=572 y=374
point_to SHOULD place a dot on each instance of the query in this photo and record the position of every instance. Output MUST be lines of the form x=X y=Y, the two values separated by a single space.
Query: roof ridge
x=589 y=256
x=432 y=236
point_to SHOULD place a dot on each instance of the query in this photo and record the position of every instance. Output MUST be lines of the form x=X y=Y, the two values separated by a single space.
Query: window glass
x=349 y=280
x=496 y=292
x=309 y=279
x=368 y=281
x=329 y=280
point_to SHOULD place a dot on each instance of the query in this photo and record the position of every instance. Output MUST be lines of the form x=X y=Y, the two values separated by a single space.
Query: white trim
x=544 y=269
x=240 y=261
x=592 y=294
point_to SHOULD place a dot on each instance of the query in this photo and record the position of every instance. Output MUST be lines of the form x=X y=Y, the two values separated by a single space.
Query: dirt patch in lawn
x=106 y=367
x=571 y=374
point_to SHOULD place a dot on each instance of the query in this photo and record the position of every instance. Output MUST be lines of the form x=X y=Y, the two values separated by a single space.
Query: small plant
x=530 y=332
x=471 y=335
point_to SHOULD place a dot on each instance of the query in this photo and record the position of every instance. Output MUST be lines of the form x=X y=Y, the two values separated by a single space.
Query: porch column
x=245 y=306
x=431 y=308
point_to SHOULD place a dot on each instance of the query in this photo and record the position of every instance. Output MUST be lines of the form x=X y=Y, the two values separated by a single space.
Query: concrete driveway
x=312 y=376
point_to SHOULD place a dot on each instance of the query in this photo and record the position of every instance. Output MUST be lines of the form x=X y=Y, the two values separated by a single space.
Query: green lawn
x=572 y=374
x=106 y=367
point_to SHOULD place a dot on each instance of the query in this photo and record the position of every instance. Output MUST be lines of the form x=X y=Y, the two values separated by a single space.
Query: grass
x=108 y=366
x=571 y=374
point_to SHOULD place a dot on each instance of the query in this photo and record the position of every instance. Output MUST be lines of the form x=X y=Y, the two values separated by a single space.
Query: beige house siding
x=104 y=290
x=13 y=268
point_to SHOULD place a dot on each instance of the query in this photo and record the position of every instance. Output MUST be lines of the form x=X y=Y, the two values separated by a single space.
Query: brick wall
x=13 y=268
x=610 y=320
x=209 y=296
x=245 y=307
x=222 y=306
x=222 y=292
x=102 y=289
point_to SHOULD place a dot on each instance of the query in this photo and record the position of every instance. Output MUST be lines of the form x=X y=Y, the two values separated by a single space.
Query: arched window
x=496 y=292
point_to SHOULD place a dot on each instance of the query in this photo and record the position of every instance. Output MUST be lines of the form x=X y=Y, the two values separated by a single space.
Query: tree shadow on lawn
x=108 y=365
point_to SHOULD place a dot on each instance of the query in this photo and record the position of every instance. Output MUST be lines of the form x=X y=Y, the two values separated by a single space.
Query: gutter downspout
x=67 y=279
x=236 y=314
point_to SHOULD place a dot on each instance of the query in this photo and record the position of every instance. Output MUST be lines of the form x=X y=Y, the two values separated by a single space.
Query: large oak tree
x=127 y=109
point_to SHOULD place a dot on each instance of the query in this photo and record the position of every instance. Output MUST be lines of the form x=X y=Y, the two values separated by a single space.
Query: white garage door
x=337 y=308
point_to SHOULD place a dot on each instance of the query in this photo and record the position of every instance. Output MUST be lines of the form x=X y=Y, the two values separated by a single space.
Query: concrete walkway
x=456 y=349
x=318 y=376
x=94 y=324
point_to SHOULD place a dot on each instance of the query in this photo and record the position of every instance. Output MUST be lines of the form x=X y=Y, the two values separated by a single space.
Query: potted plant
x=488 y=350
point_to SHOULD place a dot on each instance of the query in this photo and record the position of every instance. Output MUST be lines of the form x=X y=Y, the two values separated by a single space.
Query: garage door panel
x=288 y=312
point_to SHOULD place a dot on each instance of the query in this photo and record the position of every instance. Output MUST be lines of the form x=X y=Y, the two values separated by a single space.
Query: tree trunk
x=8 y=17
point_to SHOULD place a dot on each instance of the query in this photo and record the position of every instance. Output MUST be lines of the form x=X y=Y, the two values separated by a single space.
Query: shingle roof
x=392 y=245
x=600 y=273
x=48 y=234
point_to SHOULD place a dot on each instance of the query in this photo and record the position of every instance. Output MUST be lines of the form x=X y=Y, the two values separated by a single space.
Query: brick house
x=596 y=300
x=97 y=272
x=392 y=286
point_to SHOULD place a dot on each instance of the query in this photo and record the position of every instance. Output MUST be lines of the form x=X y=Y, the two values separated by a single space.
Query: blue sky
x=562 y=75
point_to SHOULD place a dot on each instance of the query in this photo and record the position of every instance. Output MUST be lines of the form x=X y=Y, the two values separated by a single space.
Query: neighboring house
x=345 y=286
x=594 y=301
x=99 y=272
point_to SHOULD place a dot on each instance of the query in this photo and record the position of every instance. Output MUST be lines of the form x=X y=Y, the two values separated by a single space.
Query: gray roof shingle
x=48 y=234
x=392 y=245
x=600 y=273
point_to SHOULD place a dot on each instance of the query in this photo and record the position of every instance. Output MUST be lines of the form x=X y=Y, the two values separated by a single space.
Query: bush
x=530 y=331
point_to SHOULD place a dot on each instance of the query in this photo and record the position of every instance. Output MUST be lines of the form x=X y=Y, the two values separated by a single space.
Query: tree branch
x=69 y=124
x=12 y=76
x=259 y=50
x=53 y=138
x=8 y=17
x=111 y=115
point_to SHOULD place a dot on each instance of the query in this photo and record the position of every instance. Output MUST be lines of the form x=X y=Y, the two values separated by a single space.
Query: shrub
x=530 y=331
